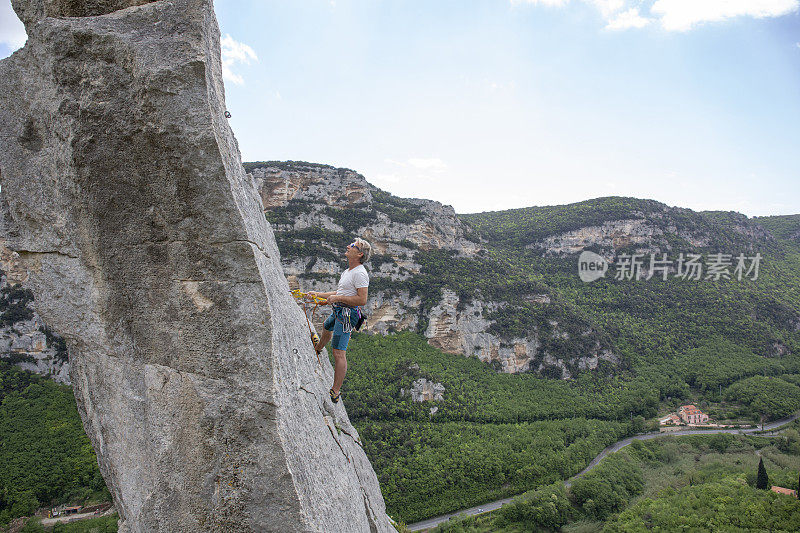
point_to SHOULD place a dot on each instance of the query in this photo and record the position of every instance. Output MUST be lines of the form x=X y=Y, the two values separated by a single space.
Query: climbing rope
x=304 y=300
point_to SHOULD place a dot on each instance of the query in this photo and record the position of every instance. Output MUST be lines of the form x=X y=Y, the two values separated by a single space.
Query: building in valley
x=692 y=415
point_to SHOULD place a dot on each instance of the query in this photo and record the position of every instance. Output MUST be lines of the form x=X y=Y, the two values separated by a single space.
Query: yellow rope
x=302 y=297
x=319 y=300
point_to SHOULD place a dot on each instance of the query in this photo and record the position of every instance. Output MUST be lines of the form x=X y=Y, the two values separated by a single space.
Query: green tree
x=762 y=480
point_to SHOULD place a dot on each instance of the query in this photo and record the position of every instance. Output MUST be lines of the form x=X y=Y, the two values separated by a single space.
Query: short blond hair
x=365 y=247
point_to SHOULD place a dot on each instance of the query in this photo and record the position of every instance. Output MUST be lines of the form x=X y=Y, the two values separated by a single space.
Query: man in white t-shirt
x=351 y=293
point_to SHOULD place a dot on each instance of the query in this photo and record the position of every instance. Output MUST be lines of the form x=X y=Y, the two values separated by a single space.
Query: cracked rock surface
x=147 y=250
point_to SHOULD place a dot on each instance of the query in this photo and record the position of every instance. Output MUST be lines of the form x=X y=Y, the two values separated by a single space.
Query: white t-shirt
x=352 y=279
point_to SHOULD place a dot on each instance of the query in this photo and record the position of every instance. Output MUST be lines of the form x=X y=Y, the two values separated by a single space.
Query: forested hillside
x=680 y=334
x=45 y=456
x=504 y=286
x=698 y=483
x=600 y=358
x=492 y=434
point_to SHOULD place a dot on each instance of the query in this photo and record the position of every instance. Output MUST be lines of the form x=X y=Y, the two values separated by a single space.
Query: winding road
x=491 y=506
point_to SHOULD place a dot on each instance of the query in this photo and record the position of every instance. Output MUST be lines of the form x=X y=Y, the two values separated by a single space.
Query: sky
x=498 y=104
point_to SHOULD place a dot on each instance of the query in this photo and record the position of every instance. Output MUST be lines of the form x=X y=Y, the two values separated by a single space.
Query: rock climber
x=346 y=300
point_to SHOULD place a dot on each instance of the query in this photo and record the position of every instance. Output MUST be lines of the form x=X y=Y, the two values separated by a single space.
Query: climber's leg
x=327 y=332
x=339 y=369
x=323 y=340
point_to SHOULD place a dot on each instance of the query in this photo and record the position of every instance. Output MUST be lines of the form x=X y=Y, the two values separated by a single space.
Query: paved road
x=478 y=509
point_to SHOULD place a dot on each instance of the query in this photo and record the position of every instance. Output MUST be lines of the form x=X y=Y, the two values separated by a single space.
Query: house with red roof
x=692 y=415
x=784 y=490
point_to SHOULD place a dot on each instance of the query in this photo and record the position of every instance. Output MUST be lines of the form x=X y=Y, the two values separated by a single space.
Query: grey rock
x=312 y=192
x=147 y=250
x=32 y=11
x=423 y=390
x=323 y=186
x=23 y=339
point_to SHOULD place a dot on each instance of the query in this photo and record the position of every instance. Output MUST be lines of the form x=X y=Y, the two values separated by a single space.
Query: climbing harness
x=303 y=300
x=343 y=315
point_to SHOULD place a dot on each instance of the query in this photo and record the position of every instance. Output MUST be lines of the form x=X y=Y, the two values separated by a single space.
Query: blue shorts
x=335 y=323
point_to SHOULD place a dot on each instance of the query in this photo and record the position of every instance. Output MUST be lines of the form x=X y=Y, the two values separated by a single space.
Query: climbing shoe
x=335 y=397
x=315 y=340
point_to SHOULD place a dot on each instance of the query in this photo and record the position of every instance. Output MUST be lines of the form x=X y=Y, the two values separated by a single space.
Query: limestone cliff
x=448 y=277
x=316 y=210
x=423 y=390
x=24 y=339
x=147 y=249
x=339 y=199
x=655 y=232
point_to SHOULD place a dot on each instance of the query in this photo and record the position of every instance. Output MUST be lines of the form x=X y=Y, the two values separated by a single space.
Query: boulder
x=148 y=251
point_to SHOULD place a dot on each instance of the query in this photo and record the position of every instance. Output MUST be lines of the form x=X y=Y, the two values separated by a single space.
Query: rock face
x=616 y=234
x=319 y=193
x=656 y=232
x=148 y=251
x=24 y=339
x=316 y=210
x=423 y=390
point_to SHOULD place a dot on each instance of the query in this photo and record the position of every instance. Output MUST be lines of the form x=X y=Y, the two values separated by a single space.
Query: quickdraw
x=304 y=299
x=344 y=317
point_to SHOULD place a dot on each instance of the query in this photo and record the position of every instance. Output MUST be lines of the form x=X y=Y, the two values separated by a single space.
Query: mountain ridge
x=480 y=284
x=418 y=243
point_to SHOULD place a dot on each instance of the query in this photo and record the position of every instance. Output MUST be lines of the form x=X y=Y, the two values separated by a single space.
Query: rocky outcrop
x=663 y=229
x=280 y=183
x=314 y=207
x=24 y=338
x=639 y=234
x=147 y=250
x=423 y=390
x=387 y=312
x=319 y=193
x=466 y=331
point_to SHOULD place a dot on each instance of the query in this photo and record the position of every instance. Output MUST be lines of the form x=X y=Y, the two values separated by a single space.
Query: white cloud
x=677 y=15
x=413 y=170
x=494 y=86
x=683 y=15
x=609 y=10
x=12 y=32
x=235 y=52
x=627 y=19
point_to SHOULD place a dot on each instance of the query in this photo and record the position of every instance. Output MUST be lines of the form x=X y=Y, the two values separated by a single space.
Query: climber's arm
x=321 y=294
x=352 y=301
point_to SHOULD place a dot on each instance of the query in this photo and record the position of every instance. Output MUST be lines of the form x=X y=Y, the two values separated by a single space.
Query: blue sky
x=497 y=104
